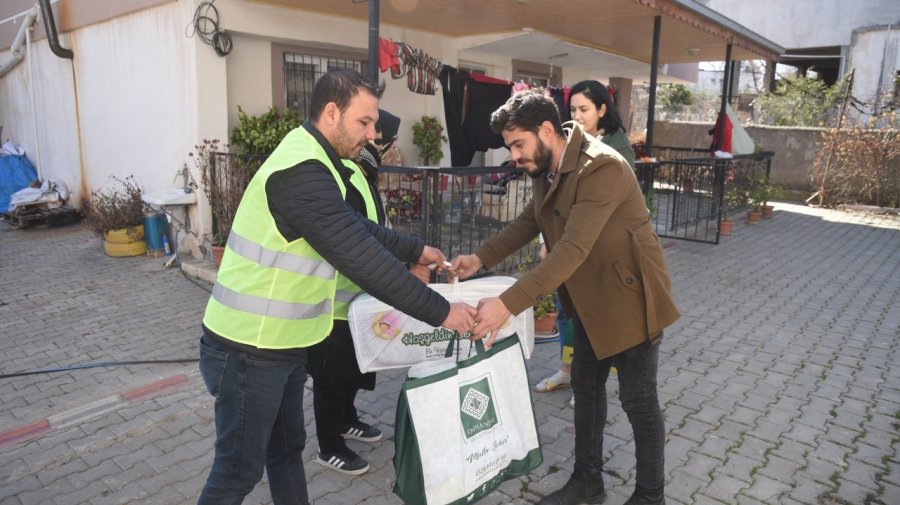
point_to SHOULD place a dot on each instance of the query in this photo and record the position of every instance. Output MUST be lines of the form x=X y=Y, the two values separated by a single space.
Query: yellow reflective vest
x=271 y=293
x=346 y=290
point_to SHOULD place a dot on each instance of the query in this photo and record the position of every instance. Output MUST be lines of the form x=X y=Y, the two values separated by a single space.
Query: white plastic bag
x=387 y=338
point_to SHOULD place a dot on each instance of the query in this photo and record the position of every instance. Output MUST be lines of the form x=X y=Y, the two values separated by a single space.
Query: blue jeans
x=637 y=391
x=259 y=425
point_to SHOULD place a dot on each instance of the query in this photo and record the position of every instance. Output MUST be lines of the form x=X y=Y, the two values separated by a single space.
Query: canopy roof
x=690 y=32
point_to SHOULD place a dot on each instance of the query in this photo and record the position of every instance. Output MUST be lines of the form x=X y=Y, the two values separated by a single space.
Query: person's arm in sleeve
x=306 y=200
x=597 y=197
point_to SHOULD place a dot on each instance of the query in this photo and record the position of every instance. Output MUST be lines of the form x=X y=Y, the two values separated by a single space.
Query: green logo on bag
x=477 y=411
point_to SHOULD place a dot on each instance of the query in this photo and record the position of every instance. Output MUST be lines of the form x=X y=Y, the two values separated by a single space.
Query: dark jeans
x=637 y=392
x=259 y=425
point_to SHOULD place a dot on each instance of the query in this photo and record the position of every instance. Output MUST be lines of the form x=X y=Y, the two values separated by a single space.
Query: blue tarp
x=16 y=173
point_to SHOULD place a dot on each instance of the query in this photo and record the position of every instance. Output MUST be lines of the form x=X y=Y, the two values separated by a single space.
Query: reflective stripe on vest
x=278 y=259
x=264 y=307
x=346 y=289
x=270 y=293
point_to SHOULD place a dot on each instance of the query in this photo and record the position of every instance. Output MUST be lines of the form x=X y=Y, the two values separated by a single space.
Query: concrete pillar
x=623 y=99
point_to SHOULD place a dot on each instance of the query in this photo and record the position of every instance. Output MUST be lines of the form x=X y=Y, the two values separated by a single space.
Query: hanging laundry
x=469 y=100
x=422 y=70
x=388 y=55
x=453 y=87
x=484 y=96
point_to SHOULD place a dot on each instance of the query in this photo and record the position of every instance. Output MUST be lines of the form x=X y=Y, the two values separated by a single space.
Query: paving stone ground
x=780 y=384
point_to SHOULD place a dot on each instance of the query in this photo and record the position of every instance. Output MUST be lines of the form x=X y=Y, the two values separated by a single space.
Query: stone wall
x=795 y=148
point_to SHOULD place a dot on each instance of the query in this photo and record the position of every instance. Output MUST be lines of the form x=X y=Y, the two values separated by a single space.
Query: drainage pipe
x=50 y=28
x=37 y=138
x=16 y=52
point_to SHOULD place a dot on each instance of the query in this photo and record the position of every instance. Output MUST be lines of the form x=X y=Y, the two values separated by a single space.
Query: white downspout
x=16 y=49
x=37 y=139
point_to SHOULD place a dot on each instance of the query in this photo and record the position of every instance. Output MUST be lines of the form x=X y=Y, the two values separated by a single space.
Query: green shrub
x=262 y=134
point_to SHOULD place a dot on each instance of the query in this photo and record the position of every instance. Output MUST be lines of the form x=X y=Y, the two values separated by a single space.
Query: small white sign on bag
x=387 y=338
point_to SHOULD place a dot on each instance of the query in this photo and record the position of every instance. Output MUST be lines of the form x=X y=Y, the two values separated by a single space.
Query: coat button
x=556 y=212
x=629 y=280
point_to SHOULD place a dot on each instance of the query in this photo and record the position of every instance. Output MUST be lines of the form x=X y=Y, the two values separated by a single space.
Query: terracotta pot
x=768 y=211
x=546 y=323
x=217 y=252
x=125 y=242
x=753 y=216
x=725 y=227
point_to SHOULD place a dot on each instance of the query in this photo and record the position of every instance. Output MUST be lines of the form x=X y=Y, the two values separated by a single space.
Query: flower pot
x=753 y=216
x=768 y=211
x=125 y=242
x=545 y=324
x=217 y=252
x=725 y=227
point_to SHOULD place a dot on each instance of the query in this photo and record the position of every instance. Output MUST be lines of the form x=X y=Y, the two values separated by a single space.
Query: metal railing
x=457 y=209
x=686 y=195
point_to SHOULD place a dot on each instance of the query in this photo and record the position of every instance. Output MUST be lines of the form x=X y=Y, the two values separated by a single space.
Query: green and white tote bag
x=465 y=428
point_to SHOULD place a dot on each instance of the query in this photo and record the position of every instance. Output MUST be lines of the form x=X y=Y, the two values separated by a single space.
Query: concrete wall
x=795 y=148
x=875 y=57
x=808 y=23
x=121 y=107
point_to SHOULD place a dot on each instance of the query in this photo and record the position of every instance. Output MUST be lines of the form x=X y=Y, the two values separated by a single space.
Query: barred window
x=301 y=71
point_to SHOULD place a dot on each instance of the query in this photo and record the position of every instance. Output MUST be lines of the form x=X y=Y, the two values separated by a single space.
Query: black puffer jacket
x=367 y=253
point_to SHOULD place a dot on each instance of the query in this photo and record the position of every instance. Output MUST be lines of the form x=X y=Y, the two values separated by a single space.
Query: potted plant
x=764 y=191
x=757 y=197
x=224 y=178
x=428 y=136
x=734 y=198
x=545 y=314
x=116 y=214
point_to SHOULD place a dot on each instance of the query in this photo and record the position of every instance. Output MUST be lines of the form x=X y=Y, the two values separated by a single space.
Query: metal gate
x=686 y=196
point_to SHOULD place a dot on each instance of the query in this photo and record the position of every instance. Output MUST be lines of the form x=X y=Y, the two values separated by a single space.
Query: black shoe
x=643 y=496
x=345 y=462
x=582 y=487
x=361 y=431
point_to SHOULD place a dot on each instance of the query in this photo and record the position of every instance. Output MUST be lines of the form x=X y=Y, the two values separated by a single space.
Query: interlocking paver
x=778 y=385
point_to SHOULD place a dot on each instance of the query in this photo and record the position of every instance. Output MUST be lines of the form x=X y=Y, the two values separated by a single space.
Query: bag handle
x=478 y=344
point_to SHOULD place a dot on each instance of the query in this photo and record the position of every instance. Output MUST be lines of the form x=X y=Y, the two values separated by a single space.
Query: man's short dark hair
x=527 y=110
x=339 y=85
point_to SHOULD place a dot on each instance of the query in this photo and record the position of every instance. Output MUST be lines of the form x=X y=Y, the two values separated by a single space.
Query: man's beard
x=543 y=158
x=344 y=146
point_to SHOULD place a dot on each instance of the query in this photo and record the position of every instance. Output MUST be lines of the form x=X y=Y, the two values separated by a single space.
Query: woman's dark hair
x=527 y=110
x=596 y=92
x=339 y=85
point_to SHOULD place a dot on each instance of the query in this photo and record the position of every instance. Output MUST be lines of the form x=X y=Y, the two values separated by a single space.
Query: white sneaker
x=572 y=401
x=556 y=381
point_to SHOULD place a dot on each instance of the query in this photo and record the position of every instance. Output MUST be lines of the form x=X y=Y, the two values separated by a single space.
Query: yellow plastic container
x=125 y=242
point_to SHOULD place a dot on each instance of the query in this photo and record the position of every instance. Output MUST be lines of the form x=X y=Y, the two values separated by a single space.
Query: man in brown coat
x=609 y=268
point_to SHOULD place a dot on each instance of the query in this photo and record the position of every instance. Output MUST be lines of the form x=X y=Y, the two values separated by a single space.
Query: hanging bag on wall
x=464 y=428
x=385 y=338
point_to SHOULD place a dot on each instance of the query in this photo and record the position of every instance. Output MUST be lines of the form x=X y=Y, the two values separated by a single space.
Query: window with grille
x=302 y=70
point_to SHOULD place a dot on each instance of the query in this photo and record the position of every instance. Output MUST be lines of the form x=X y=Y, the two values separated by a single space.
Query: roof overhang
x=690 y=32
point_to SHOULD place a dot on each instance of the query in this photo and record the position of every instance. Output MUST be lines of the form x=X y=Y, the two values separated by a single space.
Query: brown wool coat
x=603 y=254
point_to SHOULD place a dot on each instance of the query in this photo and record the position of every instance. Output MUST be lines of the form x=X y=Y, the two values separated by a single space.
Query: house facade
x=832 y=37
x=142 y=88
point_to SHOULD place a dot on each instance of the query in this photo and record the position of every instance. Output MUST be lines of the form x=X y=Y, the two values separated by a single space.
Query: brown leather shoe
x=582 y=487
